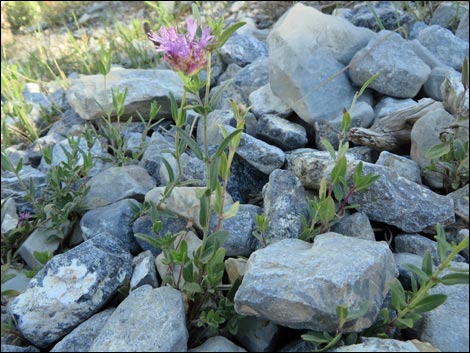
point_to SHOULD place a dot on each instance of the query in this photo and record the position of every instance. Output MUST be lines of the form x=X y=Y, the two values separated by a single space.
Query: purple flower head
x=185 y=53
x=24 y=216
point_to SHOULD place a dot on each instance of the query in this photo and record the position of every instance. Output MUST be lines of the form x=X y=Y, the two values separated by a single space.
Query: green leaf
x=437 y=151
x=216 y=263
x=19 y=166
x=190 y=142
x=42 y=257
x=346 y=123
x=192 y=287
x=386 y=315
x=405 y=323
x=454 y=278
x=342 y=312
x=218 y=199
x=327 y=210
x=169 y=169
x=367 y=83
x=224 y=168
x=214 y=174
x=203 y=210
x=6 y=164
x=228 y=32
x=232 y=211
x=218 y=93
x=343 y=150
x=360 y=312
x=322 y=190
x=196 y=13
x=465 y=70
x=427 y=263
x=329 y=147
x=339 y=170
x=338 y=192
x=423 y=276
x=430 y=302
x=225 y=142
x=174 y=108
x=10 y=293
x=398 y=301
x=315 y=337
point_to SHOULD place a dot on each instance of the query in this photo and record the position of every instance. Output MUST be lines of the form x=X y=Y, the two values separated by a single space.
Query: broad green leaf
x=221 y=236
x=423 y=276
x=398 y=301
x=342 y=151
x=427 y=263
x=454 y=278
x=225 y=142
x=157 y=227
x=430 y=302
x=232 y=211
x=405 y=323
x=228 y=32
x=42 y=257
x=10 y=293
x=346 y=123
x=414 y=284
x=327 y=210
x=342 y=312
x=465 y=70
x=386 y=315
x=203 y=210
x=322 y=190
x=339 y=170
x=7 y=276
x=329 y=147
x=218 y=199
x=338 y=192
x=191 y=143
x=192 y=287
x=6 y=164
x=216 y=263
x=214 y=174
x=360 y=312
x=224 y=167
x=188 y=272
x=437 y=151
x=169 y=169
x=315 y=337
x=19 y=166
x=357 y=173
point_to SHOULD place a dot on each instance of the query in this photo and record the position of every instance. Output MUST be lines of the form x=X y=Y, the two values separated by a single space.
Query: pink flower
x=184 y=53
x=24 y=217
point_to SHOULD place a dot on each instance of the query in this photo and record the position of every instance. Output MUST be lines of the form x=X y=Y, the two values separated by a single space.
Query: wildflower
x=184 y=53
x=24 y=216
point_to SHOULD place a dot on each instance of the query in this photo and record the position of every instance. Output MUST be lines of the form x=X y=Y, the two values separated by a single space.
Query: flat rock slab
x=291 y=282
x=70 y=288
x=148 y=320
x=88 y=98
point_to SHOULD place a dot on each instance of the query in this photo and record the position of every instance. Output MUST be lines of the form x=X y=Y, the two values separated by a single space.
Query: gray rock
x=306 y=62
x=452 y=96
x=113 y=219
x=403 y=258
x=449 y=14
x=12 y=348
x=242 y=49
x=402 y=72
x=418 y=244
x=448 y=48
x=424 y=135
x=12 y=188
x=390 y=15
x=462 y=30
x=355 y=225
x=151 y=158
x=290 y=282
x=214 y=119
x=82 y=336
x=192 y=168
x=284 y=205
x=235 y=268
x=18 y=283
x=264 y=101
x=241 y=241
x=86 y=94
x=69 y=289
x=257 y=334
x=229 y=73
x=117 y=183
x=281 y=132
x=14 y=153
x=252 y=77
x=446 y=327
x=144 y=225
x=9 y=215
x=391 y=199
x=374 y=344
x=217 y=344
x=127 y=329
x=404 y=167
x=425 y=54
x=298 y=345
x=38 y=103
x=432 y=87
x=144 y=271
x=259 y=154
x=415 y=29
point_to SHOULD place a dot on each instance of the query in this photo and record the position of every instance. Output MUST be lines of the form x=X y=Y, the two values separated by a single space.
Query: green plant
x=451 y=156
x=262 y=223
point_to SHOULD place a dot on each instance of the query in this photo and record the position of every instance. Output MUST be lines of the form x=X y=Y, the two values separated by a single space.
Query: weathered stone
x=144 y=271
x=462 y=30
x=117 y=183
x=151 y=158
x=12 y=348
x=404 y=167
x=453 y=98
x=241 y=241
x=448 y=14
x=70 y=288
x=235 y=268
x=432 y=87
x=263 y=101
x=127 y=329
x=217 y=344
x=12 y=188
x=426 y=55
x=355 y=225
x=257 y=334
x=284 y=205
x=18 y=283
x=86 y=94
x=306 y=61
x=9 y=215
x=448 y=48
x=402 y=72
x=82 y=336
x=259 y=154
x=374 y=344
x=281 y=132
x=242 y=49
x=113 y=219
x=290 y=282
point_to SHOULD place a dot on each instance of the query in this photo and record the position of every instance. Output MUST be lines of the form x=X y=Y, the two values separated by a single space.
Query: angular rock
x=69 y=289
x=281 y=132
x=259 y=154
x=402 y=72
x=12 y=348
x=355 y=225
x=432 y=87
x=144 y=271
x=374 y=344
x=426 y=55
x=18 y=283
x=241 y=241
x=9 y=215
x=117 y=183
x=290 y=282
x=217 y=344
x=306 y=61
x=242 y=49
x=151 y=158
x=391 y=199
x=252 y=77
x=127 y=329
x=452 y=96
x=86 y=93
x=257 y=334
x=284 y=205
x=448 y=14
x=448 y=48
x=462 y=30
x=82 y=336
x=12 y=188
x=407 y=168
x=388 y=105
x=113 y=219
x=192 y=168
x=263 y=101
x=235 y=268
